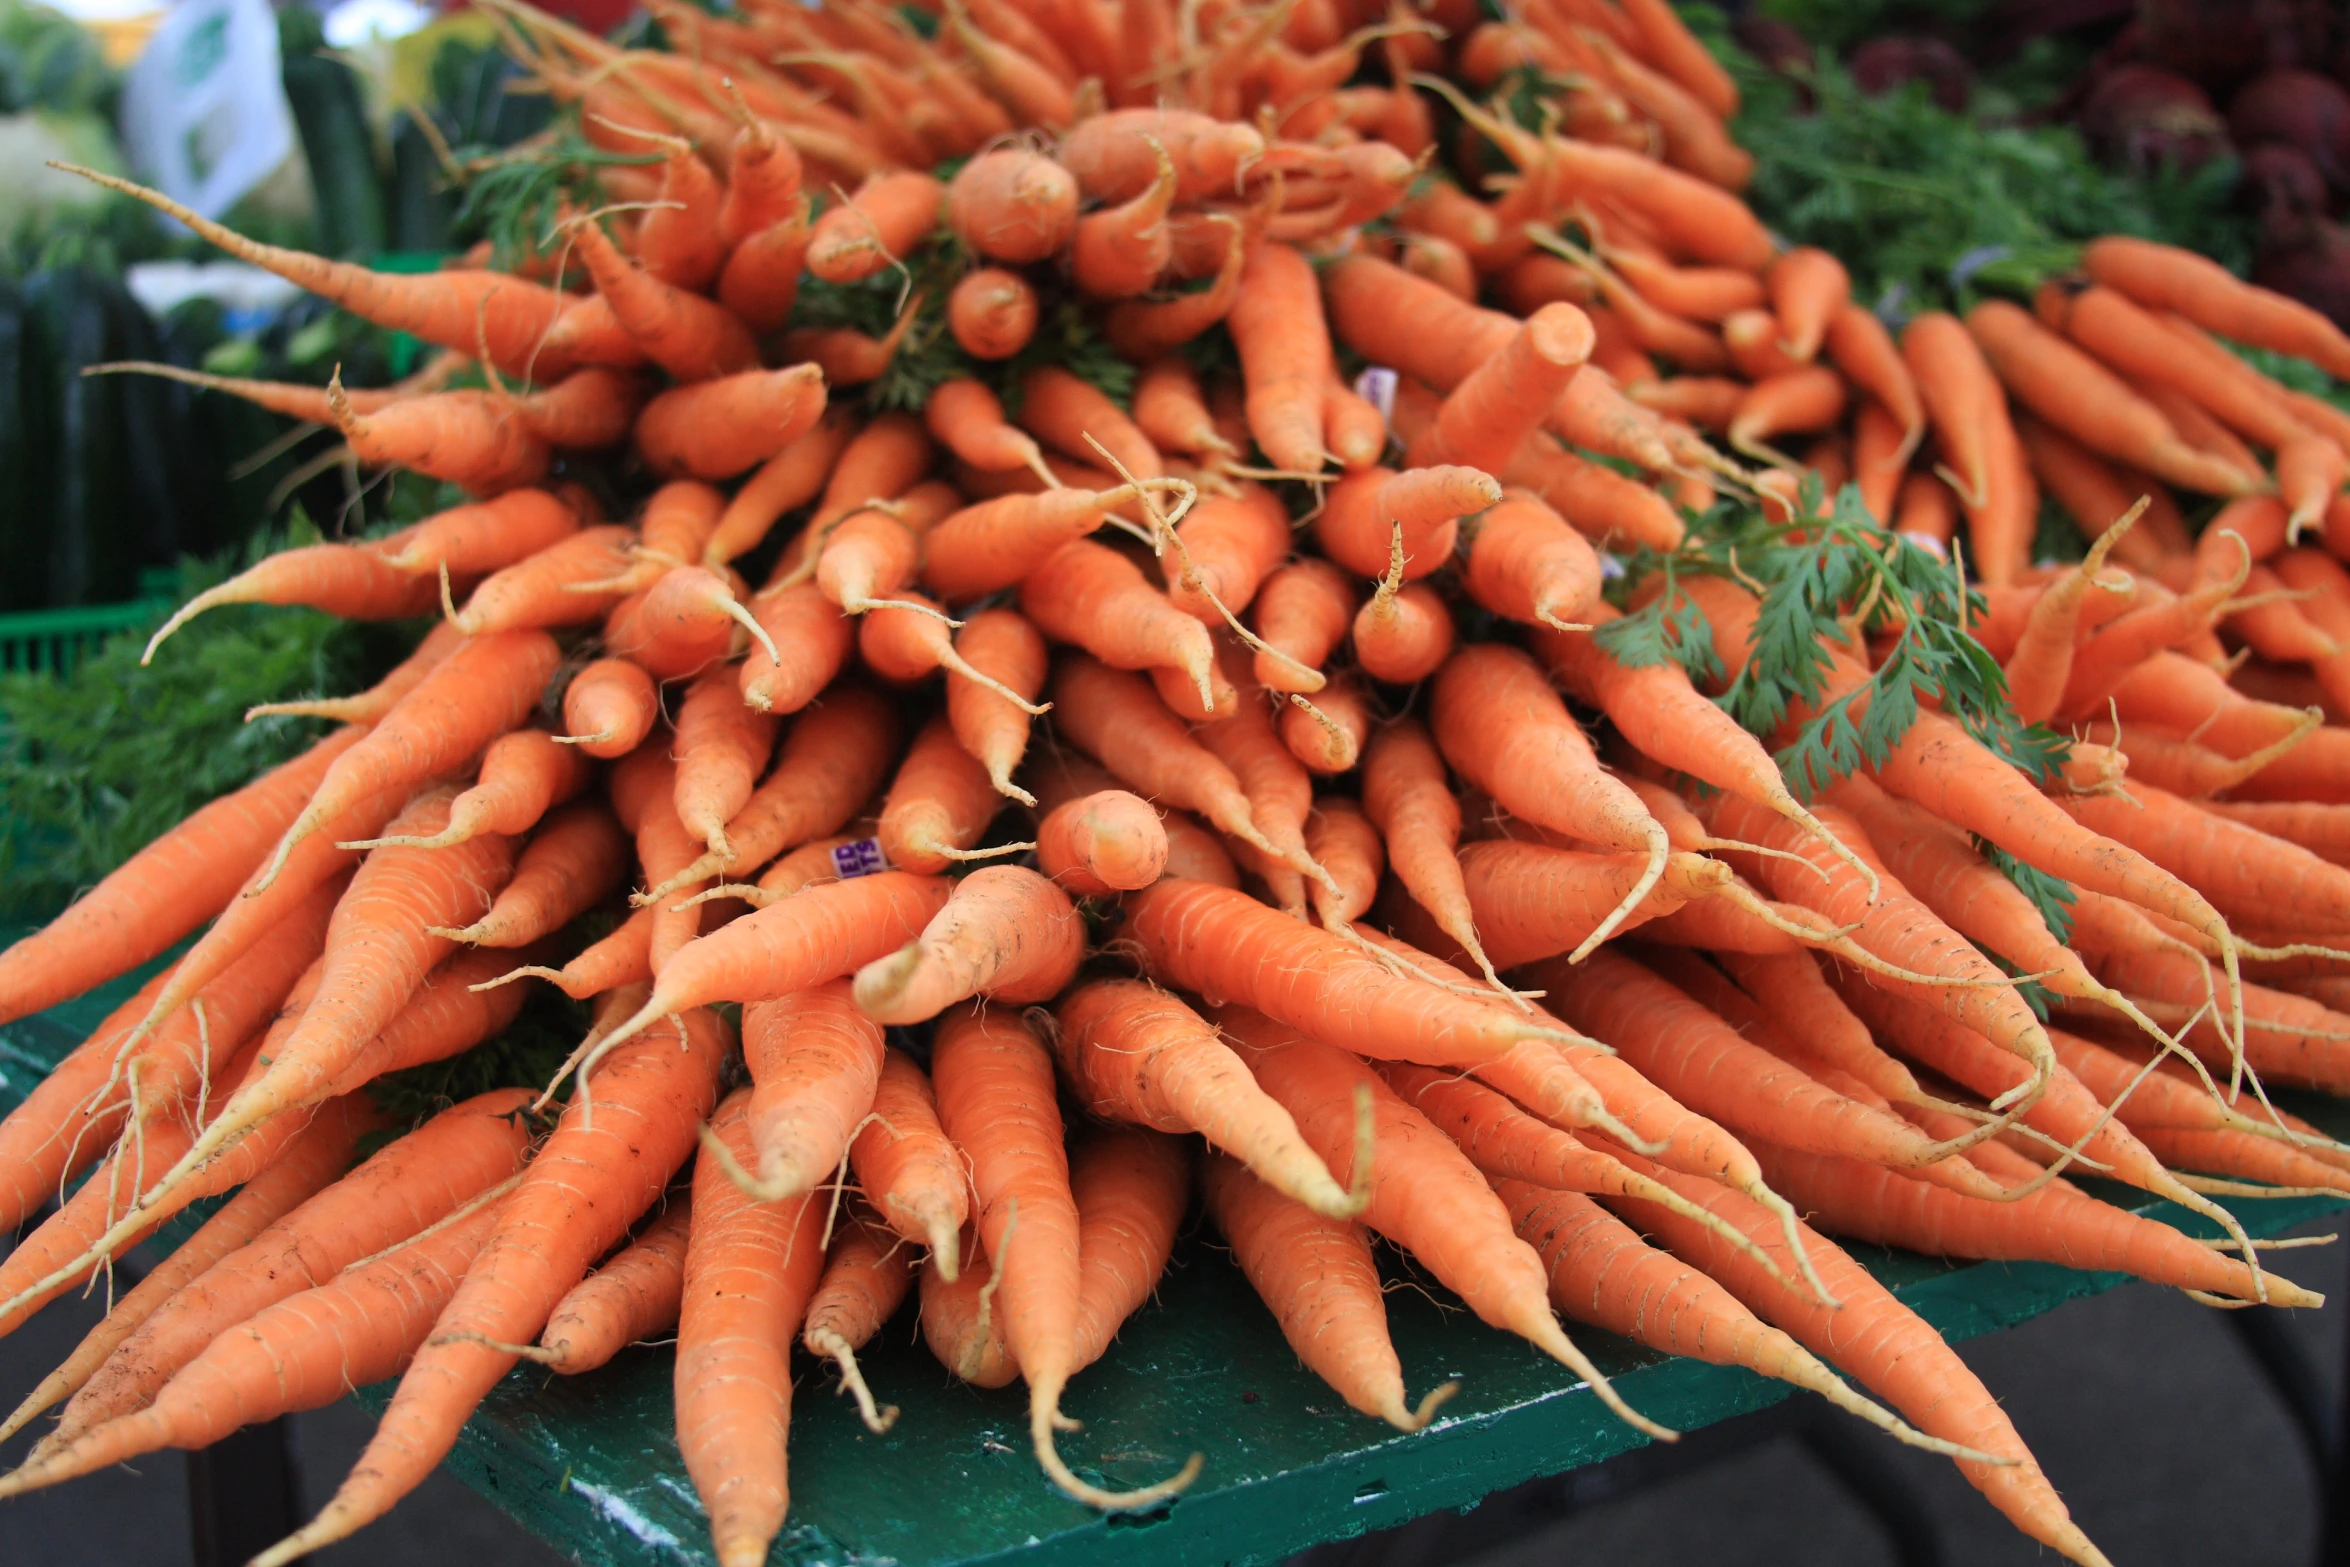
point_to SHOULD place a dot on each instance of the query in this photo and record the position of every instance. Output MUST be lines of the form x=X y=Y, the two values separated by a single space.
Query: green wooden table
x=590 y=1465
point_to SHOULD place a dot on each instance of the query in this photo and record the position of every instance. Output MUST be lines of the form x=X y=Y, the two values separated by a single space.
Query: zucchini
x=337 y=141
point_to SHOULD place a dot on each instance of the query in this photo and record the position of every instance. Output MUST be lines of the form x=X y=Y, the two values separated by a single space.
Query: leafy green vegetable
x=1929 y=208
x=1839 y=578
x=95 y=765
x=2054 y=898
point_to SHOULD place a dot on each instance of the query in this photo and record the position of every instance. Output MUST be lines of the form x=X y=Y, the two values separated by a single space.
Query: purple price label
x=862 y=858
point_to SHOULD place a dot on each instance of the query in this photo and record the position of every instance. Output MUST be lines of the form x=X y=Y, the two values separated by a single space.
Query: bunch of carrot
x=1312 y=888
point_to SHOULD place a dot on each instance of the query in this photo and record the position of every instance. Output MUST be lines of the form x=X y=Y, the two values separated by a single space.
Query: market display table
x=590 y=1464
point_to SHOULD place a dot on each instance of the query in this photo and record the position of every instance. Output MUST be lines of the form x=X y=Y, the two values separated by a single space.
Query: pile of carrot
x=1231 y=784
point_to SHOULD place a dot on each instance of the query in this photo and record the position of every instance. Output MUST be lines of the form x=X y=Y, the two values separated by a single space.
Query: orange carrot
x=483 y=689
x=348 y=581
x=631 y=1297
x=992 y=313
x=785 y=482
x=1012 y=205
x=463 y=309
x=1101 y=843
x=1137 y=1054
x=1068 y=413
x=594 y=1175
x=995 y=1098
x=1172 y=411
x=2164 y=277
x=1132 y=1187
x=750 y=1268
x=1318 y=1277
x=1216 y=941
x=559 y=586
x=910 y=1172
x=1524 y=563
x=960 y=1320
x=988 y=547
x=1328 y=733
x=683 y=624
x=968 y=419
x=1503 y=401
x=1424 y=1194
x=717 y=428
x=691 y=337
x=1357 y=526
x=1116 y=718
x=1091 y=595
x=1006 y=934
x=1500 y=726
x=939 y=804
x=1303 y=612
x=476 y=539
x=866 y=1275
x=1144 y=329
x=1276 y=323
x=524 y=774
x=165 y=890
x=880 y=225
x=609 y=707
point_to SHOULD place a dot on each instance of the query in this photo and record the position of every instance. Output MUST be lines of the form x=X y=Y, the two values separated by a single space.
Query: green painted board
x=590 y=1465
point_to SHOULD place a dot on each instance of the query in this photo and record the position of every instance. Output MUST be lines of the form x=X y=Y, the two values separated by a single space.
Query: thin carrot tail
x=1660 y=848
x=133 y=1434
x=527 y=971
x=1804 y=1370
x=211 y=598
x=997 y=852
x=1638 y=1185
x=54 y=1387
x=877 y=1418
x=1543 y=1330
x=1417 y=1419
x=1793 y=809
x=1792 y=1228
x=1044 y=1414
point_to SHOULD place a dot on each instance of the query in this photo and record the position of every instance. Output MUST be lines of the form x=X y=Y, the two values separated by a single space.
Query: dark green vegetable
x=337 y=141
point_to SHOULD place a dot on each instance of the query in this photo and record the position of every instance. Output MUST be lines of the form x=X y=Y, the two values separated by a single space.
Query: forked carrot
x=1006 y=934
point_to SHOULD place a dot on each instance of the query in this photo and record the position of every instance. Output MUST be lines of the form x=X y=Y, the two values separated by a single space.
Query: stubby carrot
x=1001 y=645
x=1277 y=325
x=908 y=1169
x=717 y=428
x=1006 y=934
x=632 y=1297
x=1132 y=1187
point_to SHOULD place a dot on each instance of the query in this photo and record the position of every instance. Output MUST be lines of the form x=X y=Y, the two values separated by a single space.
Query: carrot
x=609 y=707
x=683 y=624
x=407 y=1187
x=1005 y=934
x=985 y=548
x=1136 y=1054
x=482 y=690
x=308 y=1165
x=298 y=1353
x=1280 y=792
x=559 y=586
x=968 y=419
x=992 y=313
x=785 y=482
x=815 y=1061
x=1424 y=1195
x=2180 y=694
x=620 y=959
x=475 y=539
x=465 y=309
x=1069 y=414
x=820 y=934
x=1404 y=632
x=1353 y=429
x=1120 y=251
x=722 y=426
x=750 y=1268
x=2160 y=621
x=1142 y=329
x=165 y=890
x=345 y=580
x=1096 y=598
x=2140 y=344
x=2172 y=1097
x=377 y=952
x=1409 y=799
x=1358 y=525
x=1533 y=901
x=1525 y=564
x=1790 y=985
x=1106 y=842
x=1328 y=733
x=2164 y=277
x=1115 y=156
x=938 y=806
x=1318 y=1277
x=1304 y=610
x=634 y=1295
x=593 y=1176
x=995 y=1099
x=2041 y=665
x=1877 y=1341
x=888 y=216
x=1603 y=504
x=1172 y=410
x=909 y=1171
x=693 y=338
x=1809 y=289
x=867 y=1273
x=960 y=1320
x=1504 y=400
x=1664 y=39
x=1215 y=941
x=2079 y=396
x=1012 y=205
x=369 y=706
x=1961 y=395
x=1276 y=323
x=524 y=774
x=1701 y=1061
x=1225 y=548
x=1116 y=718
x=2242 y=870
x=1132 y=1187
x=1501 y=727
x=1808 y=398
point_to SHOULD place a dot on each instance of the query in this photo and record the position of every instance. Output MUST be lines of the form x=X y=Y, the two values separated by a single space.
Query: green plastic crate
x=52 y=641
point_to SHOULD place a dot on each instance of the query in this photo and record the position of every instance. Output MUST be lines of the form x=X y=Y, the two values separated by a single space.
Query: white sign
x=204 y=115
